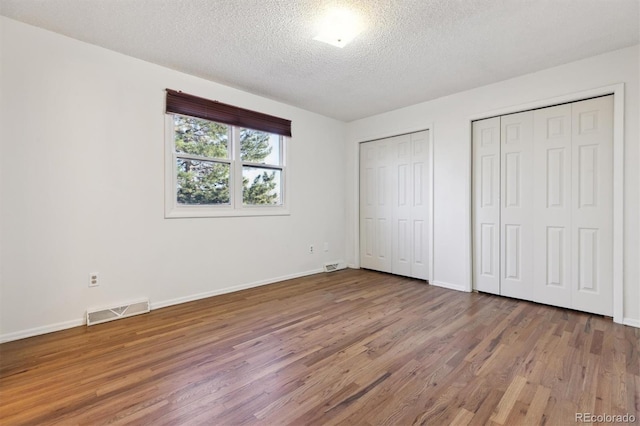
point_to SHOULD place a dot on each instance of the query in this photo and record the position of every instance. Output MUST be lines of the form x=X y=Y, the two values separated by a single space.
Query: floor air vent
x=97 y=316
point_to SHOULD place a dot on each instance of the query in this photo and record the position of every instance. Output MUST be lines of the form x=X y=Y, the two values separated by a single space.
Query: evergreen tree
x=254 y=147
x=206 y=182
x=261 y=190
x=201 y=182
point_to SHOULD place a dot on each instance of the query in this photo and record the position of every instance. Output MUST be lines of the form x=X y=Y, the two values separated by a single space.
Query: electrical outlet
x=326 y=246
x=311 y=249
x=93 y=279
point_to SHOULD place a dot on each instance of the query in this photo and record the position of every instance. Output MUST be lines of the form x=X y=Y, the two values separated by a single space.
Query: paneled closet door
x=552 y=205
x=592 y=205
x=486 y=205
x=375 y=205
x=516 y=214
x=556 y=209
x=410 y=209
x=402 y=184
x=394 y=205
x=420 y=205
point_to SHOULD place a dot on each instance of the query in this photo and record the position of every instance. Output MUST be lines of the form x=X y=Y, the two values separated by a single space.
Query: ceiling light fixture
x=339 y=27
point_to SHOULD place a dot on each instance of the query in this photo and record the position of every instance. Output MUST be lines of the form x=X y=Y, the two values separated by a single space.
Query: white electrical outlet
x=326 y=246
x=93 y=279
x=311 y=249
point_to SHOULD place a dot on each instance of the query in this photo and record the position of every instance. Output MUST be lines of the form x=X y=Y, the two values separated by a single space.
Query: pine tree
x=261 y=189
x=207 y=182
x=255 y=148
x=201 y=182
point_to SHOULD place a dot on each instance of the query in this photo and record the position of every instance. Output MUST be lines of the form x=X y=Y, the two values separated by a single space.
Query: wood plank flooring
x=350 y=347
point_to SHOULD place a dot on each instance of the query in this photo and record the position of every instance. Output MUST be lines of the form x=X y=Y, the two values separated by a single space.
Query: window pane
x=202 y=182
x=201 y=137
x=261 y=186
x=259 y=147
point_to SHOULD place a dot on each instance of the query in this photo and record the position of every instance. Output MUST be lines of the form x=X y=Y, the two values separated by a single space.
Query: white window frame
x=236 y=208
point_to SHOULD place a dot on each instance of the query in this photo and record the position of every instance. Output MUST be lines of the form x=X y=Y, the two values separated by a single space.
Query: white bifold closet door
x=394 y=205
x=486 y=205
x=542 y=205
x=516 y=214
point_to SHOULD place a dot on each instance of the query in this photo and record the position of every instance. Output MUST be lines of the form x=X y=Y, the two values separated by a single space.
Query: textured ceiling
x=410 y=51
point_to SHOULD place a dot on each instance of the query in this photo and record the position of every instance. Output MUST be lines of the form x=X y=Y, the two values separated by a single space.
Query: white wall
x=82 y=169
x=451 y=116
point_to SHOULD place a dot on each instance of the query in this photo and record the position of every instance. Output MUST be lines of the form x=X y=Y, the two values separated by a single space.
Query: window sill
x=205 y=211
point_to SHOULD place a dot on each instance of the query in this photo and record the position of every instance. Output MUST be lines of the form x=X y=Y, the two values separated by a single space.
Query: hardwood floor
x=350 y=347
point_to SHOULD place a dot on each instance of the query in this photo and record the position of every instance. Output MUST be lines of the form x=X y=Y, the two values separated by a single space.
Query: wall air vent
x=333 y=266
x=97 y=316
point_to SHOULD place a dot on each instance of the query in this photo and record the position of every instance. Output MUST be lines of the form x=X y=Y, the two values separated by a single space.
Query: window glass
x=201 y=137
x=261 y=186
x=259 y=147
x=202 y=182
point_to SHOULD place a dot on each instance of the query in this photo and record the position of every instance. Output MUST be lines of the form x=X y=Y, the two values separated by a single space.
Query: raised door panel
x=367 y=233
x=486 y=259
x=486 y=205
x=552 y=197
x=513 y=253
x=488 y=196
x=420 y=261
x=383 y=251
x=516 y=215
x=555 y=241
x=592 y=206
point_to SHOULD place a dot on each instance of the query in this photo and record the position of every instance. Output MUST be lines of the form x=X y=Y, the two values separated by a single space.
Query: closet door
x=486 y=205
x=419 y=205
x=556 y=208
x=410 y=208
x=592 y=205
x=394 y=205
x=375 y=205
x=402 y=183
x=552 y=205
x=516 y=214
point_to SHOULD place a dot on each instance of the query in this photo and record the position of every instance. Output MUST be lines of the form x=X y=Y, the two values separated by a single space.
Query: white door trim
x=617 y=90
x=356 y=223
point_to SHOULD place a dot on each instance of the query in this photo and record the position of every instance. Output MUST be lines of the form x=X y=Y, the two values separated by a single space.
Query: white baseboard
x=154 y=305
x=23 y=334
x=30 y=332
x=631 y=322
x=217 y=292
x=450 y=286
x=352 y=266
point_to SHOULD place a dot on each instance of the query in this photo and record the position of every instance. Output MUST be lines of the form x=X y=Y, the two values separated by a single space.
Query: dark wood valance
x=194 y=106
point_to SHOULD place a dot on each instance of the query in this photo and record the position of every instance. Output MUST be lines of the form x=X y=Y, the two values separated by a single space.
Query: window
x=222 y=168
